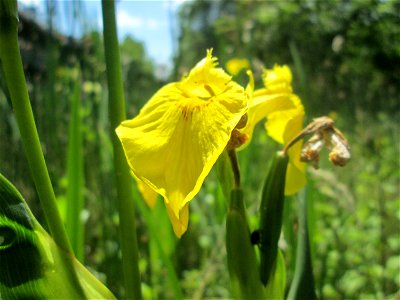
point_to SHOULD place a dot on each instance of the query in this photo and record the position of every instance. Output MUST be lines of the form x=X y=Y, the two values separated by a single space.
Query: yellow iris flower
x=180 y=133
x=285 y=113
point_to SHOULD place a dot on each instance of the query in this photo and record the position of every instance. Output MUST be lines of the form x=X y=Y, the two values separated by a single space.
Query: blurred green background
x=345 y=59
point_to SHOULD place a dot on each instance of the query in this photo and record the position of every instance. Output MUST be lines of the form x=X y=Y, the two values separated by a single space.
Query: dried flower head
x=324 y=133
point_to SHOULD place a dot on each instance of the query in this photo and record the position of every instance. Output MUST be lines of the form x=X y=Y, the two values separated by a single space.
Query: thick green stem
x=15 y=79
x=117 y=114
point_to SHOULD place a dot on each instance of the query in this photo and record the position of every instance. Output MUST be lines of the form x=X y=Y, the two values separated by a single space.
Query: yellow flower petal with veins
x=179 y=134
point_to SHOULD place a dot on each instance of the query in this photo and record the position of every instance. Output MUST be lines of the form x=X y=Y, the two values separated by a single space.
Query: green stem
x=235 y=167
x=15 y=79
x=117 y=114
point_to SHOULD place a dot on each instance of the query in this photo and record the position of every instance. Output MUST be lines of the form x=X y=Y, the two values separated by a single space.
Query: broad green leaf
x=241 y=255
x=275 y=288
x=32 y=265
x=302 y=286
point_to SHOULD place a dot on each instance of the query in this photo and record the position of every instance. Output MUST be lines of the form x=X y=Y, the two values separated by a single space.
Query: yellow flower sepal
x=180 y=132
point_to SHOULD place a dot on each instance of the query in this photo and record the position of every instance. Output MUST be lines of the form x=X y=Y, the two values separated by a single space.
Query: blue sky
x=148 y=21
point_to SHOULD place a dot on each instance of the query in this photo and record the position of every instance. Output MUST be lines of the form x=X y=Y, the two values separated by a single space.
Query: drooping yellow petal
x=179 y=223
x=179 y=134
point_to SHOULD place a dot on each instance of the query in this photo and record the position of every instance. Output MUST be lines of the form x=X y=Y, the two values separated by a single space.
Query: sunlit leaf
x=32 y=265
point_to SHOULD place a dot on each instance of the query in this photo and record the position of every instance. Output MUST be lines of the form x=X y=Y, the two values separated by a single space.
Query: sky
x=148 y=21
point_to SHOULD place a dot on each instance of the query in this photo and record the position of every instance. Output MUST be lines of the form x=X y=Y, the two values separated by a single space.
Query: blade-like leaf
x=302 y=286
x=75 y=200
x=32 y=265
x=271 y=214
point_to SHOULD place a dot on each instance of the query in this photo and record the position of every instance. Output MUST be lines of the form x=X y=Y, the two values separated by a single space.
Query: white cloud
x=125 y=20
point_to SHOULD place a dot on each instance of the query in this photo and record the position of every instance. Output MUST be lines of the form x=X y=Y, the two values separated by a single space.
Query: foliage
x=345 y=55
x=349 y=51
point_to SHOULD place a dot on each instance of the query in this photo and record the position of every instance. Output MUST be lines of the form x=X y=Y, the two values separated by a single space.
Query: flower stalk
x=124 y=182
x=235 y=167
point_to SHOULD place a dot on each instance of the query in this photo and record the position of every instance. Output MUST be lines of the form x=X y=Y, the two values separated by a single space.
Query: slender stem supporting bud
x=235 y=166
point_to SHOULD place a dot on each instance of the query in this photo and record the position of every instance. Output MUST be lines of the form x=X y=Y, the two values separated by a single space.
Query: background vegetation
x=345 y=57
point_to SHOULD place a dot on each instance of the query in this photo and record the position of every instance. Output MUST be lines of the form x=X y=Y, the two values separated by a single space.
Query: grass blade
x=75 y=200
x=302 y=286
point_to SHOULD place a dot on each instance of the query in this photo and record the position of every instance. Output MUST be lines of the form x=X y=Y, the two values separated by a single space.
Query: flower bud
x=271 y=211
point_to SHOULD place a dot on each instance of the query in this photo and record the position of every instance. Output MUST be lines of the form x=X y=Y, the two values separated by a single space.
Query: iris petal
x=179 y=134
x=284 y=113
x=179 y=223
x=283 y=126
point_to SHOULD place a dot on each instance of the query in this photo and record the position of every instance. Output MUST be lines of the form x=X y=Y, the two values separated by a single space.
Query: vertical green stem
x=123 y=179
x=15 y=79
x=235 y=167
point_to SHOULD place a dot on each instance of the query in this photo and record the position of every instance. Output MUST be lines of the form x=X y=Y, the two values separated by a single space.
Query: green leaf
x=32 y=265
x=275 y=288
x=271 y=214
x=242 y=260
x=75 y=201
x=302 y=286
